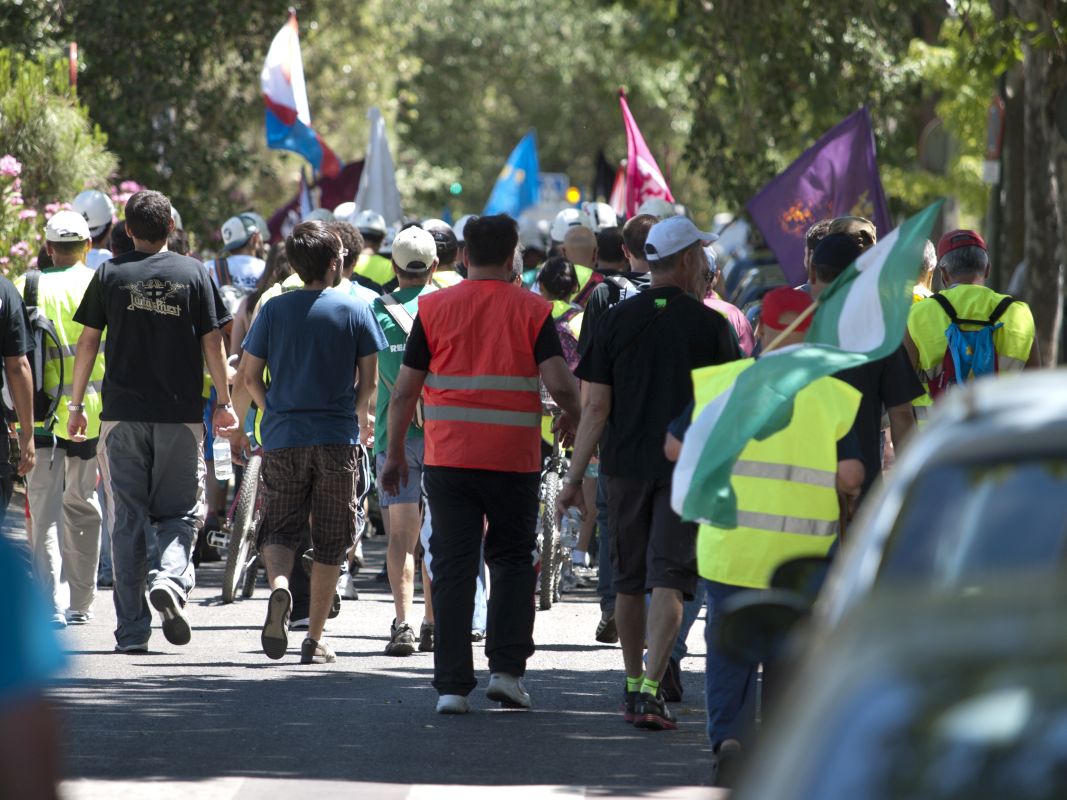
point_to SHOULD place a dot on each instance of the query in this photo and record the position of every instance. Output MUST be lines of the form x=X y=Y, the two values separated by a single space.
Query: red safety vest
x=481 y=400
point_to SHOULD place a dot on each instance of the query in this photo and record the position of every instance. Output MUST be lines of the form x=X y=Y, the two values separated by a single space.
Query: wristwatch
x=228 y=406
x=75 y=407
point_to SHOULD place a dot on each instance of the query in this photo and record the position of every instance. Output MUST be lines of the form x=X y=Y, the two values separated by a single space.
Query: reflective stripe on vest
x=781 y=524
x=490 y=416
x=499 y=383
x=785 y=472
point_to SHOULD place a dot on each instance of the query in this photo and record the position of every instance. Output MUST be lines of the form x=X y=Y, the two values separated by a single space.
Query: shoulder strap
x=222 y=271
x=946 y=306
x=401 y=316
x=1002 y=306
x=29 y=291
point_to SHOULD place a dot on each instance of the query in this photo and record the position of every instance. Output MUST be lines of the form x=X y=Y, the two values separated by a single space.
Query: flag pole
x=807 y=312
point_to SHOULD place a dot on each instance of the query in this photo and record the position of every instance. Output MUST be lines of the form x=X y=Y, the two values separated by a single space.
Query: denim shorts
x=411 y=492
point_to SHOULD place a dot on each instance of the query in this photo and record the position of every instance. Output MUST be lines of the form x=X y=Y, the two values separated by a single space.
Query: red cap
x=953 y=240
x=782 y=301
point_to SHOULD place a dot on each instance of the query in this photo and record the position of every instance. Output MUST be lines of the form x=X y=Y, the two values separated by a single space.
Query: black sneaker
x=671 y=685
x=652 y=714
x=629 y=702
x=607 y=632
x=402 y=640
x=426 y=637
x=175 y=626
x=275 y=635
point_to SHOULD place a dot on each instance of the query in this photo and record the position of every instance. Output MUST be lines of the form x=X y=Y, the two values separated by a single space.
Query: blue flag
x=517 y=187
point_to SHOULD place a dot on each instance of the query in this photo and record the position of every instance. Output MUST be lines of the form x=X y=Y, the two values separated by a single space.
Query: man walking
x=64 y=524
x=320 y=347
x=478 y=348
x=643 y=352
x=159 y=310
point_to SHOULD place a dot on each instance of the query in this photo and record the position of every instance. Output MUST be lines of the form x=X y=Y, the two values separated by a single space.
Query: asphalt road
x=217 y=719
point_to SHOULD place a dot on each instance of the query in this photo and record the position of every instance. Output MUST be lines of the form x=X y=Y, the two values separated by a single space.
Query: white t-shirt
x=97 y=256
x=245 y=271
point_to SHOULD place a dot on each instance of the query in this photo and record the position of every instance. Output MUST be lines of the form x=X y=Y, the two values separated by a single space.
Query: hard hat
x=566 y=219
x=320 y=214
x=602 y=215
x=433 y=224
x=345 y=211
x=97 y=209
x=174 y=215
x=371 y=222
x=657 y=207
x=461 y=223
x=532 y=237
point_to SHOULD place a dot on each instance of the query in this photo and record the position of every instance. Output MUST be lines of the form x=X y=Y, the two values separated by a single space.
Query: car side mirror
x=803 y=575
x=754 y=625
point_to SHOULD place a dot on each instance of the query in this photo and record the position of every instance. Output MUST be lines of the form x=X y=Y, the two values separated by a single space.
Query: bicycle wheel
x=241 y=531
x=249 y=584
x=549 y=540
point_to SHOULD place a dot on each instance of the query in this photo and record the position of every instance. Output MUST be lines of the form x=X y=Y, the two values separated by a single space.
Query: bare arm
x=250 y=372
x=366 y=386
x=672 y=447
x=402 y=402
x=215 y=356
x=20 y=385
x=850 y=475
x=84 y=359
x=901 y=425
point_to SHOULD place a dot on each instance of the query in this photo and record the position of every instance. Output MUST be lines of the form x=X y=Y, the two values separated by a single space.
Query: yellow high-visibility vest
x=374 y=267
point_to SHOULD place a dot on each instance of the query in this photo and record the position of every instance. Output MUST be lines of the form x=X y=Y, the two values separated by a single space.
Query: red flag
x=643 y=176
x=618 y=192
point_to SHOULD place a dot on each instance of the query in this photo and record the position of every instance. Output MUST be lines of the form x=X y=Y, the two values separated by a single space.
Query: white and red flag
x=643 y=176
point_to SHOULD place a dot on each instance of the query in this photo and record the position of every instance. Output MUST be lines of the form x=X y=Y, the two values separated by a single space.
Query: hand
x=570 y=495
x=239 y=448
x=27 y=452
x=224 y=422
x=76 y=424
x=394 y=474
x=366 y=434
x=566 y=427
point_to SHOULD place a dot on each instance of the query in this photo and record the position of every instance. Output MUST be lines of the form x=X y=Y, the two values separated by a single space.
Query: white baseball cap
x=345 y=211
x=96 y=208
x=657 y=207
x=602 y=215
x=66 y=226
x=414 y=249
x=566 y=219
x=368 y=221
x=461 y=223
x=672 y=235
x=174 y=215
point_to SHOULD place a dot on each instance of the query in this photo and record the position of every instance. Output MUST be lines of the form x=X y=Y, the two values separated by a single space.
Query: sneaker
x=402 y=640
x=727 y=762
x=175 y=626
x=671 y=685
x=301 y=624
x=59 y=621
x=477 y=635
x=105 y=582
x=629 y=703
x=78 y=617
x=508 y=691
x=312 y=652
x=275 y=636
x=606 y=631
x=652 y=714
x=426 y=637
x=350 y=592
x=136 y=647
x=453 y=704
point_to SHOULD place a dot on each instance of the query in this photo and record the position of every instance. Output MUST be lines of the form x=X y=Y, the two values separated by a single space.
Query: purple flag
x=836 y=176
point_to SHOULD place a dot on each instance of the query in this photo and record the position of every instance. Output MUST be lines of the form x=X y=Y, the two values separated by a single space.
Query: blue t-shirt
x=312 y=341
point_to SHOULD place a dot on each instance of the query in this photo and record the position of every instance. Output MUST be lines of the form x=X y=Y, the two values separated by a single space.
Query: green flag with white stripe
x=861 y=317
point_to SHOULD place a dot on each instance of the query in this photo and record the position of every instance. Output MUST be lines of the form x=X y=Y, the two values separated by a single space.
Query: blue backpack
x=970 y=354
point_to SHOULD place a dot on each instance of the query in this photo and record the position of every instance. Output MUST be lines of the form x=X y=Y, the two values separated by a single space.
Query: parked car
x=925 y=697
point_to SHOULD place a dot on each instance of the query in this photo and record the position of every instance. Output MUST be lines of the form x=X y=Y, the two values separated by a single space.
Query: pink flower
x=130 y=187
x=27 y=213
x=4 y=260
x=51 y=208
x=20 y=249
x=9 y=165
x=33 y=262
x=14 y=199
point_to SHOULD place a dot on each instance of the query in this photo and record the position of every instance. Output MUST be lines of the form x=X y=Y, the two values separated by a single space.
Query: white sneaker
x=508 y=691
x=453 y=704
x=59 y=621
x=78 y=617
x=349 y=592
x=299 y=624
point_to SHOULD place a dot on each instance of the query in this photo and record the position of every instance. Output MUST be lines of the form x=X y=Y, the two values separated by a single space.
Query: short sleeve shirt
x=17 y=340
x=645 y=348
x=156 y=307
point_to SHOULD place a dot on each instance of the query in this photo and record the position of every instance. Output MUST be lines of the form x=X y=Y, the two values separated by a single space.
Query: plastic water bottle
x=571 y=527
x=223 y=464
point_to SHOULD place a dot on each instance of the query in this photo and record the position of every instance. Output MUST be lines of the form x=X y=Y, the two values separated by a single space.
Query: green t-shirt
x=391 y=358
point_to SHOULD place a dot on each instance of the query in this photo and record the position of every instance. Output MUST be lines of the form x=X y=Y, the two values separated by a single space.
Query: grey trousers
x=64 y=527
x=153 y=473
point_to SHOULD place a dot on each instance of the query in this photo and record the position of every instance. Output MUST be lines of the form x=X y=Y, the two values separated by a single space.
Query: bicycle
x=237 y=539
x=553 y=553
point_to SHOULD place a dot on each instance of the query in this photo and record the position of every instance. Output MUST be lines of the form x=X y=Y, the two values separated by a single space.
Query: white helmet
x=461 y=223
x=97 y=209
x=532 y=235
x=345 y=211
x=658 y=207
x=566 y=219
x=602 y=215
x=174 y=215
x=368 y=221
x=321 y=214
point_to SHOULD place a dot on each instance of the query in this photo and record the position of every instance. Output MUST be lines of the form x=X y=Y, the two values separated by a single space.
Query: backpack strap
x=222 y=271
x=998 y=312
x=946 y=306
x=401 y=316
x=1002 y=307
x=29 y=290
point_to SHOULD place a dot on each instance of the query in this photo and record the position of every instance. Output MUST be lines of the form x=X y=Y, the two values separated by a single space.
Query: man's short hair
x=121 y=243
x=667 y=263
x=859 y=228
x=609 y=245
x=491 y=241
x=816 y=233
x=350 y=237
x=148 y=216
x=834 y=254
x=965 y=263
x=635 y=232
x=311 y=248
x=68 y=248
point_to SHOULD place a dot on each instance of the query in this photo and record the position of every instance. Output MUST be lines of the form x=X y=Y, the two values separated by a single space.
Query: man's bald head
x=579 y=246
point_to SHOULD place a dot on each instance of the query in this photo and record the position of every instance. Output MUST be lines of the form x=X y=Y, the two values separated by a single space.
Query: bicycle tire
x=549 y=539
x=240 y=531
x=248 y=586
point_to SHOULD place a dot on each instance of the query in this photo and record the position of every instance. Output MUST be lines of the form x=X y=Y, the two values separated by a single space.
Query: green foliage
x=44 y=127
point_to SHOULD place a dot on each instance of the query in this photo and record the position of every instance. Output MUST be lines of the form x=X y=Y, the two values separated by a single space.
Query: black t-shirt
x=14 y=324
x=885 y=383
x=417 y=350
x=645 y=348
x=155 y=307
x=604 y=296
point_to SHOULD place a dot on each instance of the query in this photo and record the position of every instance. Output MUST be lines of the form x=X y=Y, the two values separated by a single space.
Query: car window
x=964 y=523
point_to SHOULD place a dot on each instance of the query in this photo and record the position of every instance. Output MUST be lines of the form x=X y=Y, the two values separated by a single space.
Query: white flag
x=377 y=184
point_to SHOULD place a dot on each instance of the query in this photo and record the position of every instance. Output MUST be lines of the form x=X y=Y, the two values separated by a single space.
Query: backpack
x=567 y=339
x=627 y=288
x=969 y=354
x=404 y=320
x=45 y=343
